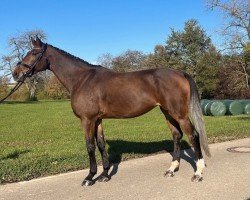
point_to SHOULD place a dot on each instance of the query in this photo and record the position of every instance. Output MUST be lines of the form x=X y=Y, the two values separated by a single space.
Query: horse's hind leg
x=100 y=140
x=177 y=135
x=193 y=137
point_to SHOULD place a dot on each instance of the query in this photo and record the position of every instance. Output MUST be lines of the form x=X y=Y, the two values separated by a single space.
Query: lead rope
x=19 y=83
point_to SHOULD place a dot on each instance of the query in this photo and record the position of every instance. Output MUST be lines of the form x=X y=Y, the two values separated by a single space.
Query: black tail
x=195 y=114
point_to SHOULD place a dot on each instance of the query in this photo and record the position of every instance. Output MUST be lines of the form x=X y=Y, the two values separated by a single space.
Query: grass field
x=43 y=138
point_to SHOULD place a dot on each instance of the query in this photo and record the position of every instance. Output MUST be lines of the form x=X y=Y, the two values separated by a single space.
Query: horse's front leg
x=100 y=140
x=90 y=130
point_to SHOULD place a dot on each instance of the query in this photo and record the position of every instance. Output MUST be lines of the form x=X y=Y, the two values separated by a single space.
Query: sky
x=88 y=29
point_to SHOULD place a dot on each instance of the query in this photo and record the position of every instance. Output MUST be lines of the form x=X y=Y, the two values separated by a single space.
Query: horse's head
x=34 y=61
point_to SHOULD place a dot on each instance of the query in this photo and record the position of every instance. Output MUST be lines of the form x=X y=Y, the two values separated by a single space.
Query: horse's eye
x=19 y=63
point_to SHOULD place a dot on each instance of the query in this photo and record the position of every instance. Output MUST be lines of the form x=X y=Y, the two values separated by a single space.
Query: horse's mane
x=74 y=57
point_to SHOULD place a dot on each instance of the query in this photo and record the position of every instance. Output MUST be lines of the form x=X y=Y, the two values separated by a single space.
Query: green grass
x=43 y=138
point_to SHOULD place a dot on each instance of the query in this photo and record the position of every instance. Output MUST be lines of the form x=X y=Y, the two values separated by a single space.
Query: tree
x=208 y=73
x=236 y=27
x=128 y=61
x=4 y=81
x=187 y=47
x=105 y=60
x=54 y=89
x=158 y=59
x=7 y=64
x=19 y=46
x=231 y=79
x=235 y=30
x=192 y=50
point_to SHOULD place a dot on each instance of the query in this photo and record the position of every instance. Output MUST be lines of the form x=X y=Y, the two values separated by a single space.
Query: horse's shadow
x=119 y=148
x=15 y=154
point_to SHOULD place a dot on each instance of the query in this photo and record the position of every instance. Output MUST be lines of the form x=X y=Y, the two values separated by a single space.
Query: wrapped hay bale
x=234 y=107
x=215 y=108
x=246 y=106
x=204 y=103
x=247 y=109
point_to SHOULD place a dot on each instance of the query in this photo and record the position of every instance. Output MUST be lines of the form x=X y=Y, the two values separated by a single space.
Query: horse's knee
x=90 y=146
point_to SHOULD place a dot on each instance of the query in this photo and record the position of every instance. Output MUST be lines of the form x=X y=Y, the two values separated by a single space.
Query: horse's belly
x=128 y=108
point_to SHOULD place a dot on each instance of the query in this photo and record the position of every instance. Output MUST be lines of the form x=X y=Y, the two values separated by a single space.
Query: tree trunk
x=32 y=94
x=31 y=85
x=244 y=66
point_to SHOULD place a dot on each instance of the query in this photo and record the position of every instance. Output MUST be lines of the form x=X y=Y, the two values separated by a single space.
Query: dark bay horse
x=98 y=93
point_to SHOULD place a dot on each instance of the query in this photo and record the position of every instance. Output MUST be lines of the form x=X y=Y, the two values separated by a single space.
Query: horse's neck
x=66 y=69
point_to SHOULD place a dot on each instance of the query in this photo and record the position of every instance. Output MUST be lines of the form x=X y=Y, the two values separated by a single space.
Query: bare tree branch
x=237 y=20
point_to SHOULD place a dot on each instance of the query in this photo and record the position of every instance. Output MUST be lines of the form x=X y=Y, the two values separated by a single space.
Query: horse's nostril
x=15 y=74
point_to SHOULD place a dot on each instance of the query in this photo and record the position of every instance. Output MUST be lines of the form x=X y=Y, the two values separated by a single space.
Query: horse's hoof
x=103 y=179
x=169 y=173
x=87 y=182
x=196 y=178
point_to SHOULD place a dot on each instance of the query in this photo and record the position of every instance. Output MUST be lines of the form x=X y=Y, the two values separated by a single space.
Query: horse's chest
x=84 y=105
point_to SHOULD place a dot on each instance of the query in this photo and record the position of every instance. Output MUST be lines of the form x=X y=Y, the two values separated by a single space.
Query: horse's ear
x=39 y=42
x=33 y=41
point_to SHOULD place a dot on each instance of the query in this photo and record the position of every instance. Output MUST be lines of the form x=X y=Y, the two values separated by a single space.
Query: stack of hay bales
x=225 y=107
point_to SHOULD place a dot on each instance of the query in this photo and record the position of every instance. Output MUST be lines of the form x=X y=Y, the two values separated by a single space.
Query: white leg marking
x=200 y=164
x=174 y=165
